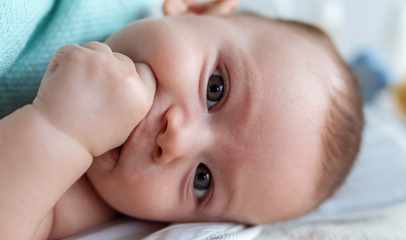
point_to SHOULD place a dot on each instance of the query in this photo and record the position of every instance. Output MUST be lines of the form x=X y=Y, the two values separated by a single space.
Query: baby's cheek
x=145 y=201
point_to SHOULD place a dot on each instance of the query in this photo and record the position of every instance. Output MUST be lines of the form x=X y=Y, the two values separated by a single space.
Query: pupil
x=202 y=176
x=214 y=88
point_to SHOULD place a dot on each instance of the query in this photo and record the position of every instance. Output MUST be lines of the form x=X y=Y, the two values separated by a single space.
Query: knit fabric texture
x=32 y=30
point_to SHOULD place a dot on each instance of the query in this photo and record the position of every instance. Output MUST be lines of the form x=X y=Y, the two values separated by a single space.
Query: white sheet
x=131 y=229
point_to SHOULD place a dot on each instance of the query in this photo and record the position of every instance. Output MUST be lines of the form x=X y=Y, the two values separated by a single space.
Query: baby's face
x=251 y=154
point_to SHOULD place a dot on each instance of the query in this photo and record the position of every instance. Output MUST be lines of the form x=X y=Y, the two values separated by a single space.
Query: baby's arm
x=89 y=101
x=38 y=164
x=78 y=210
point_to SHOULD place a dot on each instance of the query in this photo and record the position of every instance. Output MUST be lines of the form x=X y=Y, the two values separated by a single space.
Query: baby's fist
x=94 y=95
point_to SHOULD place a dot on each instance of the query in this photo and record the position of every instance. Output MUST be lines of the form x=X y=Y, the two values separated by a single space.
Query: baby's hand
x=94 y=95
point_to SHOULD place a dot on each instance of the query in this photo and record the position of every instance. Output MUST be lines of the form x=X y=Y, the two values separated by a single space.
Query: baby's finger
x=147 y=77
x=59 y=55
x=98 y=46
x=125 y=60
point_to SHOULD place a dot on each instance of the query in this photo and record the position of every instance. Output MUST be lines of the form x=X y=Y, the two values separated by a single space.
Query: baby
x=221 y=118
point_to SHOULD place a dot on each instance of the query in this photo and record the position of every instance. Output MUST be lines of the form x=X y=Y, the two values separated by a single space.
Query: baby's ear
x=183 y=7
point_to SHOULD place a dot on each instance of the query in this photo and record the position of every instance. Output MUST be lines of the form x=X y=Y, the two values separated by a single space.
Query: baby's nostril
x=166 y=126
x=159 y=152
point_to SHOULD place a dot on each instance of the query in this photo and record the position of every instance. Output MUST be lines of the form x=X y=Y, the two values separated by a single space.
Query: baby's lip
x=126 y=144
x=115 y=153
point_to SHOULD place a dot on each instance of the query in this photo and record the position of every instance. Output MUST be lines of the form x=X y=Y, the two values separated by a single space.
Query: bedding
x=127 y=228
x=31 y=31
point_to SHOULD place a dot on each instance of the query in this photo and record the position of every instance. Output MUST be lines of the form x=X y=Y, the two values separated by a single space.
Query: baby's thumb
x=147 y=77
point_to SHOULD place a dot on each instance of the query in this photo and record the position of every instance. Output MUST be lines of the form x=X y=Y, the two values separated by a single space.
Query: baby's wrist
x=54 y=135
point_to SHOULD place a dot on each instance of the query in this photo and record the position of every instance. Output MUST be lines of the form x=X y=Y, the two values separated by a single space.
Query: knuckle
x=127 y=78
x=91 y=44
x=102 y=58
x=104 y=46
x=97 y=46
x=64 y=50
x=122 y=57
x=69 y=47
x=75 y=54
x=73 y=57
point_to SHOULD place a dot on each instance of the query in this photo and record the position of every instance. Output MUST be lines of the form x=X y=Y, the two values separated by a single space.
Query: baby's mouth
x=115 y=153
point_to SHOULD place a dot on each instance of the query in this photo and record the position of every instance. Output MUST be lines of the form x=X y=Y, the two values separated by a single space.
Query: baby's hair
x=341 y=138
x=344 y=120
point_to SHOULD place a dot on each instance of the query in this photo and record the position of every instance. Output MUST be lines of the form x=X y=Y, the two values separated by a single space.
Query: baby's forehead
x=293 y=57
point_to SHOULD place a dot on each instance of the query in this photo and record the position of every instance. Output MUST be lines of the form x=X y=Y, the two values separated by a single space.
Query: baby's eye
x=202 y=180
x=215 y=87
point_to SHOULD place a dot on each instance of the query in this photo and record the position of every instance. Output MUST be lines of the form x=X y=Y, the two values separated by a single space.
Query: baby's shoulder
x=79 y=209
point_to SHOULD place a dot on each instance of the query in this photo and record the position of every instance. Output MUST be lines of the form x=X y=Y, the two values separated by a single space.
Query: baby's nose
x=176 y=139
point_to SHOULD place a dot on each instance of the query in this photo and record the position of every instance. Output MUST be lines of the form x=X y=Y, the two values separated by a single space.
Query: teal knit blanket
x=32 y=30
